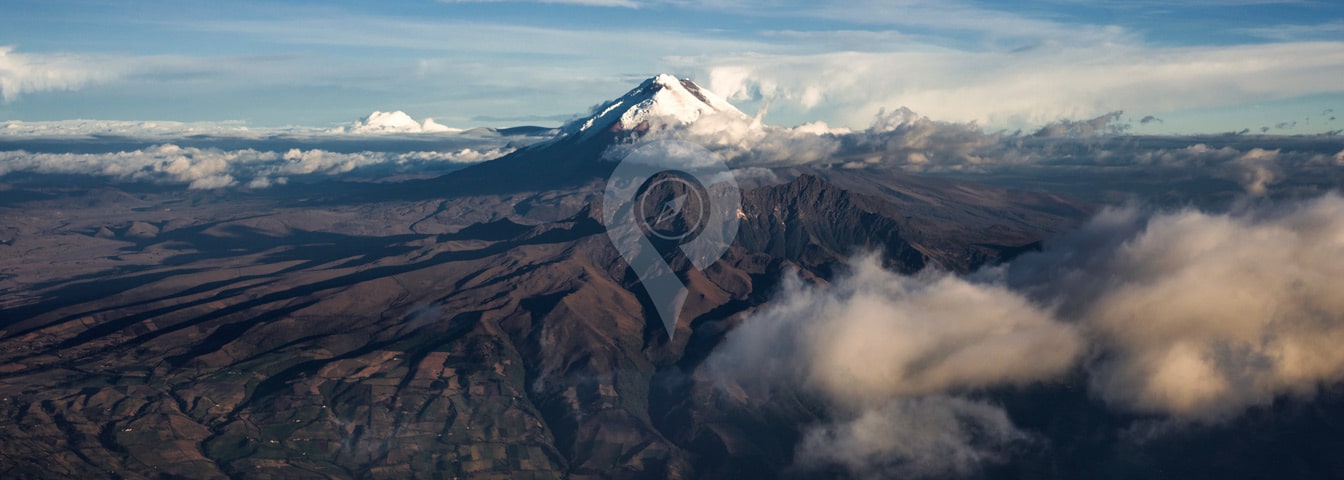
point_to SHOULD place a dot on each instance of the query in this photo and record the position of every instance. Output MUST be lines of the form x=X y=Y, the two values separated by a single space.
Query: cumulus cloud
x=883 y=349
x=211 y=168
x=1056 y=79
x=742 y=141
x=904 y=138
x=748 y=142
x=895 y=138
x=1201 y=316
x=1256 y=170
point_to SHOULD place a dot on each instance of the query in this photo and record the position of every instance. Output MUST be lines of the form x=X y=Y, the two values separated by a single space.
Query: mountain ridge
x=661 y=98
x=477 y=324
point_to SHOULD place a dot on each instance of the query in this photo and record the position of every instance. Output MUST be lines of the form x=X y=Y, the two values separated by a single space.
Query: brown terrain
x=477 y=325
x=205 y=335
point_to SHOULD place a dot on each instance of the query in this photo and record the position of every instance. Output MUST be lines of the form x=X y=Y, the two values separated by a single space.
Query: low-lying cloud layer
x=918 y=437
x=1187 y=315
x=1095 y=152
x=209 y=168
x=1091 y=158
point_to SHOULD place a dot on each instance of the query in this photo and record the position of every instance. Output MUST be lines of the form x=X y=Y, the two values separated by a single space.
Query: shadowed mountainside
x=227 y=339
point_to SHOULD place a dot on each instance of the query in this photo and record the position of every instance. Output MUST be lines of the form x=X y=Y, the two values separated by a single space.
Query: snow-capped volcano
x=663 y=98
x=395 y=122
x=578 y=154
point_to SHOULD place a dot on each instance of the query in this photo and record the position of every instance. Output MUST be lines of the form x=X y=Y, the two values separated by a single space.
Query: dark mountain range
x=477 y=325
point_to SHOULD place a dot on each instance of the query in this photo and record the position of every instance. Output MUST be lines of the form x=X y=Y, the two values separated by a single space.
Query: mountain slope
x=575 y=157
x=502 y=349
x=662 y=99
x=475 y=325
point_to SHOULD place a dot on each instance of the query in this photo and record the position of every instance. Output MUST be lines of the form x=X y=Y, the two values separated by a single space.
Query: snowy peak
x=394 y=122
x=658 y=100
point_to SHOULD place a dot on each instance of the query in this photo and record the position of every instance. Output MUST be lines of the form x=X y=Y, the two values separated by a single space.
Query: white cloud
x=935 y=436
x=1093 y=150
x=1256 y=170
x=897 y=138
x=744 y=141
x=874 y=335
x=138 y=129
x=1031 y=87
x=210 y=168
x=22 y=73
x=1201 y=316
x=885 y=349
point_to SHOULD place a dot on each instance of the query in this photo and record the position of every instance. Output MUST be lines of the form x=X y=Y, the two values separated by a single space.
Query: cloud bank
x=1095 y=152
x=1094 y=157
x=1186 y=315
x=913 y=438
x=146 y=129
x=210 y=168
x=883 y=349
x=1055 y=79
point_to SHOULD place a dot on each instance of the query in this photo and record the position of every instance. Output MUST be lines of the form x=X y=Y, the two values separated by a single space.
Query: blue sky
x=1204 y=66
